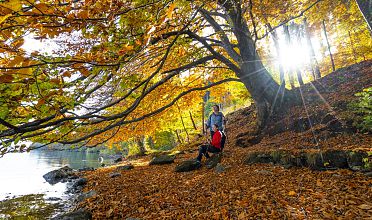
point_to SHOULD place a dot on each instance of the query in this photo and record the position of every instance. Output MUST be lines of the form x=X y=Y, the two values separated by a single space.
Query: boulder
x=219 y=168
x=86 y=169
x=356 y=160
x=80 y=214
x=258 y=157
x=332 y=159
x=162 y=159
x=58 y=175
x=188 y=165
x=213 y=160
x=80 y=182
x=117 y=160
x=125 y=167
x=87 y=195
x=113 y=175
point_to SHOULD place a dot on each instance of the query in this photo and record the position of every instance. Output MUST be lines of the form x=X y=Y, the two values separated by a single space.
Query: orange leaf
x=292 y=193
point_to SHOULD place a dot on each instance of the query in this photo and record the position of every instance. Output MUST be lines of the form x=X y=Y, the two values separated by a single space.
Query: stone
x=117 y=160
x=214 y=160
x=162 y=159
x=369 y=174
x=86 y=169
x=332 y=159
x=58 y=175
x=355 y=160
x=219 y=168
x=258 y=157
x=80 y=214
x=113 y=175
x=80 y=182
x=125 y=167
x=188 y=165
x=87 y=195
x=329 y=117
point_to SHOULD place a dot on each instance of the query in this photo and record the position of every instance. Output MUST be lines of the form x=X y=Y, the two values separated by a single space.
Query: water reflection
x=22 y=173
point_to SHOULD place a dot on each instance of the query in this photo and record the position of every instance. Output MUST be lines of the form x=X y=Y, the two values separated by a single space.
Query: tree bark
x=141 y=145
x=329 y=47
x=192 y=120
x=314 y=62
x=365 y=7
x=288 y=42
x=183 y=124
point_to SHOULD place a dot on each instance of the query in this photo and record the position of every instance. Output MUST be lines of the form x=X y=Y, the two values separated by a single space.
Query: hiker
x=213 y=146
x=216 y=118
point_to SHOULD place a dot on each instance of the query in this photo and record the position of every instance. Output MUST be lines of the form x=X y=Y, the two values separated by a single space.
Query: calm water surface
x=22 y=173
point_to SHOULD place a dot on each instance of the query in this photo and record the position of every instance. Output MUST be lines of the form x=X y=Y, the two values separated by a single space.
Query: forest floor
x=256 y=191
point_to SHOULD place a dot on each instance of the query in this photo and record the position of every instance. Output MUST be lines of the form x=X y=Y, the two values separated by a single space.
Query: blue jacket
x=215 y=119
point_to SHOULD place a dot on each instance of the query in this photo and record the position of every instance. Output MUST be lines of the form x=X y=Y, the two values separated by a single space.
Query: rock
x=214 y=160
x=87 y=195
x=188 y=165
x=80 y=214
x=117 y=160
x=355 y=160
x=113 y=175
x=258 y=157
x=125 y=167
x=219 y=168
x=327 y=160
x=162 y=159
x=86 y=169
x=335 y=126
x=58 y=175
x=80 y=182
x=247 y=141
x=369 y=174
x=329 y=117
x=265 y=172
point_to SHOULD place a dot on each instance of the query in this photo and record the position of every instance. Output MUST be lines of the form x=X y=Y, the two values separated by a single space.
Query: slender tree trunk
x=192 y=120
x=297 y=32
x=365 y=7
x=277 y=48
x=288 y=42
x=352 y=48
x=178 y=137
x=314 y=62
x=329 y=47
x=183 y=124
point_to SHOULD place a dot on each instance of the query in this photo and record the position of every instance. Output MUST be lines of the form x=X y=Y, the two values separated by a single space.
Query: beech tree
x=118 y=63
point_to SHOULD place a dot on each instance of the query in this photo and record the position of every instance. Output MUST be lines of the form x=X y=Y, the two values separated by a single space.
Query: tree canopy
x=116 y=69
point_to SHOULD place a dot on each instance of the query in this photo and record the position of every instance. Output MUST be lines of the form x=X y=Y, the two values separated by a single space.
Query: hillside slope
x=257 y=191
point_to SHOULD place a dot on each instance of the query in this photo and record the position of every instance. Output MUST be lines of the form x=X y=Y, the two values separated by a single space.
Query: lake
x=22 y=173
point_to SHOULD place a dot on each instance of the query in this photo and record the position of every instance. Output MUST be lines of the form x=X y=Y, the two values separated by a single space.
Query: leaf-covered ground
x=251 y=191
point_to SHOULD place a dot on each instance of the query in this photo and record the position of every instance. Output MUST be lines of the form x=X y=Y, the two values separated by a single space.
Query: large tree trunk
x=365 y=6
x=263 y=88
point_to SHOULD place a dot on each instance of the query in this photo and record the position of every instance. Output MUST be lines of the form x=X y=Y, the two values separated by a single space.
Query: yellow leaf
x=14 y=5
x=292 y=193
x=170 y=10
x=3 y=18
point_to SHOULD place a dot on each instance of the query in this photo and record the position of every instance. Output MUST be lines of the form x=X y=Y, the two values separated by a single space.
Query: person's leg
x=213 y=149
x=202 y=150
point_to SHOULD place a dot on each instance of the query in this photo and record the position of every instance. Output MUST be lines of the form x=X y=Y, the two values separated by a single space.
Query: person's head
x=215 y=127
x=216 y=108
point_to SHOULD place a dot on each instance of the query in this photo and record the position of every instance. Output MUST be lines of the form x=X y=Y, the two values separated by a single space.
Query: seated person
x=214 y=146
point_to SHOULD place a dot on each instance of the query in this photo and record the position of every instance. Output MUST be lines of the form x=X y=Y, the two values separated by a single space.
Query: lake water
x=22 y=173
